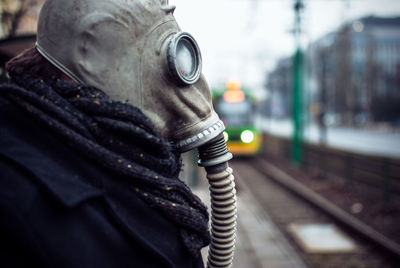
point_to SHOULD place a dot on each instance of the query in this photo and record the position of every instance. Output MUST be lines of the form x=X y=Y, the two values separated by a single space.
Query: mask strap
x=57 y=64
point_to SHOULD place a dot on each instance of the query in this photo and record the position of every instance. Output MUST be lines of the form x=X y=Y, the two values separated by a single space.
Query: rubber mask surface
x=120 y=47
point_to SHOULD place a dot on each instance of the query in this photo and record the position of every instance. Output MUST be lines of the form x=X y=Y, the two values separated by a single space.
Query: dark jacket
x=58 y=209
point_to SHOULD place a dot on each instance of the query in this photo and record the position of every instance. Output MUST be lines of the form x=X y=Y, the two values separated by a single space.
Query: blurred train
x=236 y=108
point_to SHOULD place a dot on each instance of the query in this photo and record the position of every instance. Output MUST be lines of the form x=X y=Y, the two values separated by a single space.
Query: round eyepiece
x=184 y=59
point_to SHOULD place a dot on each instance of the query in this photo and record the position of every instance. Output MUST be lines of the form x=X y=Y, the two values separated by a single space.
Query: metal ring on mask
x=184 y=59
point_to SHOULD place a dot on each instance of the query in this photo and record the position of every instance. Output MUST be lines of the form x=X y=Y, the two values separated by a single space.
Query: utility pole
x=298 y=85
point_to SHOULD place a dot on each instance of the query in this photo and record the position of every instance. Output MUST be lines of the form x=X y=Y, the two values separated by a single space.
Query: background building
x=356 y=72
x=353 y=75
x=279 y=87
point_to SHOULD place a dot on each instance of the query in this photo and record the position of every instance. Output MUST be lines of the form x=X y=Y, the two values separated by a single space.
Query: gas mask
x=135 y=52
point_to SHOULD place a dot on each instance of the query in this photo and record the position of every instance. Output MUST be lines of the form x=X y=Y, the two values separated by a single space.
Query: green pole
x=297 y=101
x=297 y=108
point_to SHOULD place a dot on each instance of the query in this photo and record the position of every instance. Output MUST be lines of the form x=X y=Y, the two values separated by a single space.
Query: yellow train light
x=233 y=84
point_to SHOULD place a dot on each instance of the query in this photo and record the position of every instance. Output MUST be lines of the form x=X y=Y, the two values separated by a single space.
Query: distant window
x=235 y=114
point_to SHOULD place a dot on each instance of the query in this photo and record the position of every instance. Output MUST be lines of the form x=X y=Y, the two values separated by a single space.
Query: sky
x=243 y=39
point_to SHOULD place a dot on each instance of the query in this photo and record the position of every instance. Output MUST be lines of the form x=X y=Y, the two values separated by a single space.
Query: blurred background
x=309 y=91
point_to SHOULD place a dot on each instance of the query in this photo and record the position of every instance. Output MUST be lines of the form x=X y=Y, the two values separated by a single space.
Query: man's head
x=134 y=51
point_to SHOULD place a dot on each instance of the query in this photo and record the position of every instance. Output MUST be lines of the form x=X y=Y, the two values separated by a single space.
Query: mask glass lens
x=183 y=59
x=186 y=58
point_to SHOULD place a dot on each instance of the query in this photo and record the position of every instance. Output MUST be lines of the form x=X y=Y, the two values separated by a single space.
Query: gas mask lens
x=183 y=59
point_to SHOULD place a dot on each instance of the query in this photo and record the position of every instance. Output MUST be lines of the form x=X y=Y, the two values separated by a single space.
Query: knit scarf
x=119 y=137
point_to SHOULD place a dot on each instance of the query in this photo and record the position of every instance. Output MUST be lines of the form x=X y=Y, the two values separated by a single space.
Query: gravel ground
x=362 y=201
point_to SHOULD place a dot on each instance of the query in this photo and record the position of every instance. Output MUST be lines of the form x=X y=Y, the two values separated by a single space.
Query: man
x=88 y=176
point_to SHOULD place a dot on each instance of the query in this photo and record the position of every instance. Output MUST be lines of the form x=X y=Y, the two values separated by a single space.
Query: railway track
x=287 y=202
